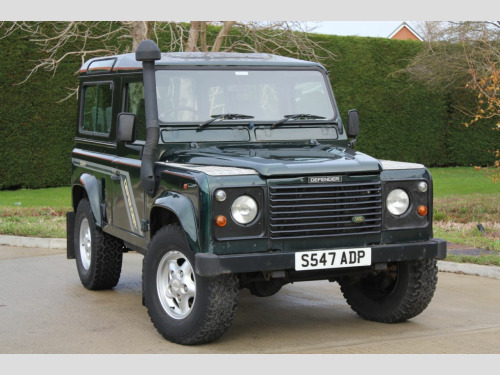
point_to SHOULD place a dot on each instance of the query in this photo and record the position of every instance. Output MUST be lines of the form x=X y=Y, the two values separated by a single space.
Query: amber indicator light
x=422 y=210
x=221 y=221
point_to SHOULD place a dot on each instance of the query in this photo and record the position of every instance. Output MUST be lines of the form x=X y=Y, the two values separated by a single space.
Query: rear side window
x=97 y=108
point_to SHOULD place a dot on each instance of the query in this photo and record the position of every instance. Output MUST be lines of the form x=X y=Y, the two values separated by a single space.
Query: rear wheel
x=98 y=255
x=400 y=292
x=184 y=307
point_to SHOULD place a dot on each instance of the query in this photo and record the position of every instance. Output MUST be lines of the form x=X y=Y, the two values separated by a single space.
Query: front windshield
x=267 y=95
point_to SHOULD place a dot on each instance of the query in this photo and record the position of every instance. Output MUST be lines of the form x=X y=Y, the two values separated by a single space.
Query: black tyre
x=98 y=255
x=184 y=307
x=400 y=292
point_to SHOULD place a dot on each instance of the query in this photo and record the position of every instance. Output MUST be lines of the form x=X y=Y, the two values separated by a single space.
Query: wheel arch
x=175 y=208
x=91 y=189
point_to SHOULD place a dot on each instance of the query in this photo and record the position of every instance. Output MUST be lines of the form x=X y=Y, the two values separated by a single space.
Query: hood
x=282 y=161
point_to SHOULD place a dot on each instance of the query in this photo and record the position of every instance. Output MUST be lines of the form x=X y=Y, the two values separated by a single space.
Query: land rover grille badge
x=358 y=219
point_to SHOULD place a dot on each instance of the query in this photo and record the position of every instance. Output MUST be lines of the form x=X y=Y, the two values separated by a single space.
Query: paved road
x=44 y=309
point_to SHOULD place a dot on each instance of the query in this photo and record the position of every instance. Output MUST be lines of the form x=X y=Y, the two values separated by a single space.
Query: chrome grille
x=324 y=210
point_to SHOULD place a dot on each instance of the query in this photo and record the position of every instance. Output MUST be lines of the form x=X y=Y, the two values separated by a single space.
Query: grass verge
x=33 y=222
x=35 y=213
x=56 y=198
x=469 y=235
x=463 y=198
x=456 y=181
x=483 y=259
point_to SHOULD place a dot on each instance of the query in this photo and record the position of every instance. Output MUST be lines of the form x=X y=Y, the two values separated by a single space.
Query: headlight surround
x=244 y=209
x=398 y=202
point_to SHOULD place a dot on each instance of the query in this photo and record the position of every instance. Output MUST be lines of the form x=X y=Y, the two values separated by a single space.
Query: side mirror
x=125 y=129
x=352 y=123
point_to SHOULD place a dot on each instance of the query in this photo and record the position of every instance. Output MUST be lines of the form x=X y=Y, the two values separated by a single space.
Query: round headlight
x=244 y=209
x=397 y=202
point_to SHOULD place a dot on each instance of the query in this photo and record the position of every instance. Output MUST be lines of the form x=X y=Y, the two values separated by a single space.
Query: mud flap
x=70 y=230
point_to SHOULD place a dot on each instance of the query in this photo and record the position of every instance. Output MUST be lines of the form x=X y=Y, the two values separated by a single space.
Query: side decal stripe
x=125 y=182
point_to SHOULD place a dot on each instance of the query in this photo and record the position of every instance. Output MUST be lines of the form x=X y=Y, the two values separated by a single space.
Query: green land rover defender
x=230 y=171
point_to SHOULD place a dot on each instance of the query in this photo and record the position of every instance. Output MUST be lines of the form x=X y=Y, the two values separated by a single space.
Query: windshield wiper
x=226 y=116
x=303 y=116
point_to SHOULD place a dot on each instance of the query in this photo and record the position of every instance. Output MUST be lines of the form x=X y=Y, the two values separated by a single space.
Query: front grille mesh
x=324 y=210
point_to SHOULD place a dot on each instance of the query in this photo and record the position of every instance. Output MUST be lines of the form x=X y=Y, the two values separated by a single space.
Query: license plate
x=323 y=259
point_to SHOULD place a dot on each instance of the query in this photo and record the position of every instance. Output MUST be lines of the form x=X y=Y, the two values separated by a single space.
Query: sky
x=353 y=17
x=309 y=10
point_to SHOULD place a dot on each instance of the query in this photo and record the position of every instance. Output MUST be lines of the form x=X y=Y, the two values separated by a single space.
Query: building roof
x=400 y=31
x=128 y=62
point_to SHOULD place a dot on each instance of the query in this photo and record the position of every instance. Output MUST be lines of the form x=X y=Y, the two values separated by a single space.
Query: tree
x=280 y=37
x=60 y=40
x=463 y=55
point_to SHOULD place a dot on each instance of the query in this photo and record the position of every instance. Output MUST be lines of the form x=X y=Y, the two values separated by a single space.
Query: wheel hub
x=176 y=286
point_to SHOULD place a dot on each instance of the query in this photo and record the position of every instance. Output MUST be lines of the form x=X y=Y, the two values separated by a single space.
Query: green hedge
x=36 y=133
x=473 y=145
x=400 y=120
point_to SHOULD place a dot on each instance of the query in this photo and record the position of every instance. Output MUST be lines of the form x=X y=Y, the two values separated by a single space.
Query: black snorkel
x=148 y=52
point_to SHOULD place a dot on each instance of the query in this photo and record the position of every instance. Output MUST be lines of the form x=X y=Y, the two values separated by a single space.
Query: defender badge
x=326 y=179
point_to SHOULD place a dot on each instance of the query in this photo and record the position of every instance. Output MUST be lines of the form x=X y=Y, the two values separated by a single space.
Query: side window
x=135 y=105
x=97 y=108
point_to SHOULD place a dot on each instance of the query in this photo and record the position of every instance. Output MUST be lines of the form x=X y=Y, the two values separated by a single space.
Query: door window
x=135 y=105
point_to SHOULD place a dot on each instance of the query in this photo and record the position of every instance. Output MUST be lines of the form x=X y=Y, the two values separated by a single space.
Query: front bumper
x=212 y=264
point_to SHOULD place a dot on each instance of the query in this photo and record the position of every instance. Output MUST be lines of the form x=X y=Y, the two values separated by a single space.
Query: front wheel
x=400 y=292
x=184 y=307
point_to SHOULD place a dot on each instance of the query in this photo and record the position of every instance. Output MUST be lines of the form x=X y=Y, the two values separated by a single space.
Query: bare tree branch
x=59 y=41
x=203 y=36
x=140 y=32
x=194 y=32
x=223 y=33
x=463 y=55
